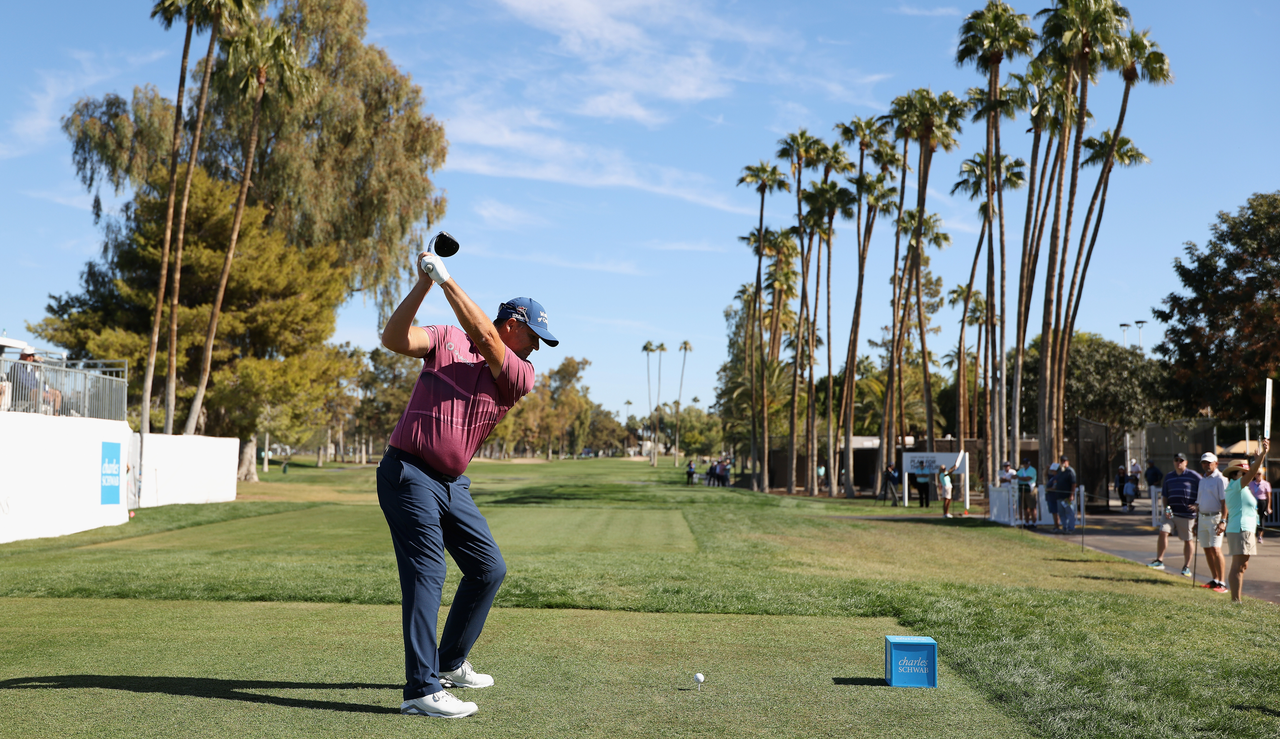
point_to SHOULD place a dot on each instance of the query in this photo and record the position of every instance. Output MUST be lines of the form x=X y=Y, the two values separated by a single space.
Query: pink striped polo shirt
x=456 y=401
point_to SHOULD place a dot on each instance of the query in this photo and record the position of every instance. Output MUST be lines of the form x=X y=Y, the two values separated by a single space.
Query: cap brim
x=545 y=335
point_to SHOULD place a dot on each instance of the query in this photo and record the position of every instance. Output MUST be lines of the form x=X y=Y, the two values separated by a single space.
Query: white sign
x=927 y=463
x=1266 y=415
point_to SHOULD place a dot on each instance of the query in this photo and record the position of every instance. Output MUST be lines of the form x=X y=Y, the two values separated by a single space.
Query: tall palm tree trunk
x=1047 y=425
x=926 y=155
x=887 y=427
x=962 y=355
x=207 y=356
x=171 y=381
x=1024 y=300
x=833 y=463
x=175 y=148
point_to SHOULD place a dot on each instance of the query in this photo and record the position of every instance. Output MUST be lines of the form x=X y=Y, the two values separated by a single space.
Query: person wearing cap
x=471 y=376
x=1242 y=519
x=1178 y=496
x=1064 y=487
x=1027 y=498
x=1211 y=510
x=27 y=389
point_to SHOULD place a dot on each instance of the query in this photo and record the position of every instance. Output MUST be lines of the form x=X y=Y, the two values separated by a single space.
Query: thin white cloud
x=79 y=200
x=501 y=215
x=507 y=143
x=617 y=267
x=677 y=246
x=44 y=105
x=620 y=104
x=912 y=10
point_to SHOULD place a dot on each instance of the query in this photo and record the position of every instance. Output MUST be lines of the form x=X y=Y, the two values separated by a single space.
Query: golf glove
x=433 y=265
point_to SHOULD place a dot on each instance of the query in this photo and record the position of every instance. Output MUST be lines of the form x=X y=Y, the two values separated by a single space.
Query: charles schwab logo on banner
x=110 y=472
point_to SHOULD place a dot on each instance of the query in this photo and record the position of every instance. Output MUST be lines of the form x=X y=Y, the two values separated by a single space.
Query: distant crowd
x=717 y=474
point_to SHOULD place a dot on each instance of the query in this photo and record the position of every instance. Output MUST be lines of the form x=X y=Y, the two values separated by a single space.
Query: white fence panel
x=61 y=475
x=188 y=469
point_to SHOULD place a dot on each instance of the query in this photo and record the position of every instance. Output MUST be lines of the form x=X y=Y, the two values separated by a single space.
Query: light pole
x=1124 y=332
x=1140 y=325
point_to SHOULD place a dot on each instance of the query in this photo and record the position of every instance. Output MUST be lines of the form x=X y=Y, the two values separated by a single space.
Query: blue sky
x=595 y=147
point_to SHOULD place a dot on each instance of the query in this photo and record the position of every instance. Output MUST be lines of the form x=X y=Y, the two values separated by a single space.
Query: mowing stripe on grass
x=160 y=669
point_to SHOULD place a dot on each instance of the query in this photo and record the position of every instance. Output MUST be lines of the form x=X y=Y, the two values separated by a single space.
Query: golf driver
x=442 y=244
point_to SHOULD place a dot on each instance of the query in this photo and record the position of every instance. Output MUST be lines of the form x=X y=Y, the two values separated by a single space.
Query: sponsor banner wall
x=187 y=469
x=60 y=475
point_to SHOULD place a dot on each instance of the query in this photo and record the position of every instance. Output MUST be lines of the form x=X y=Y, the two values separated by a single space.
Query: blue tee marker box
x=911 y=662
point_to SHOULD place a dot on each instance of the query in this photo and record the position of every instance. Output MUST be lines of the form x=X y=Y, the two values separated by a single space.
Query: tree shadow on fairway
x=876 y=681
x=202 y=687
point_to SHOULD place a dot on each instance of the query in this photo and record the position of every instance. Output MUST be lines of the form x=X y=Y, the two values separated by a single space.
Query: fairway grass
x=112 y=668
x=1057 y=641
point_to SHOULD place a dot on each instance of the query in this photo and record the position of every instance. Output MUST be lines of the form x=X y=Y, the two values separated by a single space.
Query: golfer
x=944 y=487
x=470 y=378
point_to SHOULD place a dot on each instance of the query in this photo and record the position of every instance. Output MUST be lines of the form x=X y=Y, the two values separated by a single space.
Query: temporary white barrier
x=187 y=469
x=1005 y=509
x=60 y=475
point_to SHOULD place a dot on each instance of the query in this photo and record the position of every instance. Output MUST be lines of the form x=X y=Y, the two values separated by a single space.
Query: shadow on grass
x=1260 y=709
x=202 y=687
x=1141 y=580
x=879 y=681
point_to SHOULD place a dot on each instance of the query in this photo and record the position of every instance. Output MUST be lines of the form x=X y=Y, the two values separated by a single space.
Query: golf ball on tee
x=698 y=678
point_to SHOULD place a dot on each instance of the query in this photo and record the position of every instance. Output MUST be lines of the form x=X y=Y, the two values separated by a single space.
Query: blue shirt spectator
x=1179 y=491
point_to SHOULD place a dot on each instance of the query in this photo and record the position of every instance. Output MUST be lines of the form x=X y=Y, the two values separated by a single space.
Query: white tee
x=1212 y=493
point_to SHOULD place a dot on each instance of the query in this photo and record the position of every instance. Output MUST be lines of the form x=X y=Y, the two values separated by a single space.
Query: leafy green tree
x=1225 y=321
x=386 y=383
x=1108 y=383
x=349 y=165
x=279 y=310
x=258 y=52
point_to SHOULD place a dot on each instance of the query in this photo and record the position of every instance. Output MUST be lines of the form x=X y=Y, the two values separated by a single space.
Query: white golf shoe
x=439 y=705
x=465 y=677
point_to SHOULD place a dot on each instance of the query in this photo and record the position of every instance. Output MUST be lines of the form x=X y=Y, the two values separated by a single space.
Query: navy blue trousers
x=429 y=513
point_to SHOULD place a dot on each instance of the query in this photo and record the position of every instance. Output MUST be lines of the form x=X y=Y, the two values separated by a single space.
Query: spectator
x=1006 y=474
x=29 y=393
x=1065 y=485
x=1211 y=508
x=1051 y=493
x=690 y=472
x=1027 y=497
x=1242 y=519
x=1177 y=496
x=1122 y=479
x=1153 y=476
x=891 y=481
x=1262 y=493
x=711 y=474
x=922 y=488
x=1131 y=489
x=944 y=487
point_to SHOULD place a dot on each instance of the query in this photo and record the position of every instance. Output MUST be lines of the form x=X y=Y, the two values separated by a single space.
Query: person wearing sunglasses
x=1242 y=519
x=471 y=376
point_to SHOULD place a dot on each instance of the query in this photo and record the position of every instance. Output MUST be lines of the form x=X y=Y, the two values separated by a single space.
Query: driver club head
x=444 y=244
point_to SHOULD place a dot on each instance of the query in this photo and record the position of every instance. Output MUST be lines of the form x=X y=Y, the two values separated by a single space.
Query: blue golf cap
x=531 y=312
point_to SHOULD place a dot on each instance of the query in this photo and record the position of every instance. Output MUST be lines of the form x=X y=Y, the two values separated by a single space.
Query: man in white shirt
x=1211 y=509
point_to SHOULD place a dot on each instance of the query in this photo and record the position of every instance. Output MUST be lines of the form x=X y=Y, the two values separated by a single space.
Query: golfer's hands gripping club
x=431 y=264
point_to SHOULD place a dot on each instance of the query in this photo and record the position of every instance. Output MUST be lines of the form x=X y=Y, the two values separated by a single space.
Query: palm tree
x=661 y=349
x=167 y=11
x=1076 y=33
x=766 y=178
x=260 y=51
x=987 y=37
x=222 y=15
x=1138 y=58
x=940 y=119
x=648 y=349
x=685 y=348
x=973 y=180
x=799 y=149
